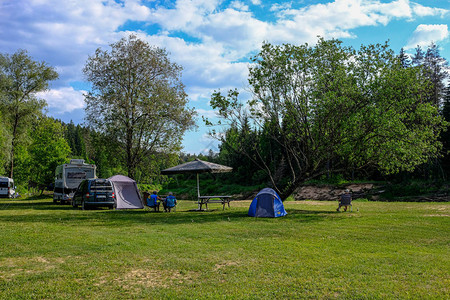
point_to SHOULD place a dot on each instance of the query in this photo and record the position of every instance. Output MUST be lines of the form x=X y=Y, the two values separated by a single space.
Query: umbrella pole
x=198 y=192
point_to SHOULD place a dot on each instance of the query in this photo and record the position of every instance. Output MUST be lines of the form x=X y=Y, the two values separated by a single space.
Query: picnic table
x=204 y=200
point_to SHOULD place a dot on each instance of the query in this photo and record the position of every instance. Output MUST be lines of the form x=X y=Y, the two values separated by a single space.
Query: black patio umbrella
x=197 y=166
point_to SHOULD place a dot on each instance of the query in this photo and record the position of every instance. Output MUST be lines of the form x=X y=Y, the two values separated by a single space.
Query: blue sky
x=211 y=39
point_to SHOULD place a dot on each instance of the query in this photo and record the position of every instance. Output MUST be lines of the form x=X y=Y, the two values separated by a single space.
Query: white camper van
x=7 y=188
x=69 y=176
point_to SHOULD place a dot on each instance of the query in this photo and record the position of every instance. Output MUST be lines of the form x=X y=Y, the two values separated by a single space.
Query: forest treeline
x=316 y=112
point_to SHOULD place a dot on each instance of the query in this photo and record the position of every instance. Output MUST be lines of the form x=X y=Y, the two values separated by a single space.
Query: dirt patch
x=440 y=208
x=225 y=264
x=35 y=265
x=368 y=191
x=310 y=202
x=153 y=278
x=328 y=192
x=436 y=215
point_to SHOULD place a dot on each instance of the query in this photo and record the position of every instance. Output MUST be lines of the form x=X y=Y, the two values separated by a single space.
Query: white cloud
x=334 y=19
x=64 y=99
x=207 y=113
x=186 y=16
x=238 y=5
x=233 y=29
x=64 y=33
x=395 y=9
x=280 y=6
x=206 y=66
x=256 y=2
x=236 y=30
x=423 y=11
x=425 y=34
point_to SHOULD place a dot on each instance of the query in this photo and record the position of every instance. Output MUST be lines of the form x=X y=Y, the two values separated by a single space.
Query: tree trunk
x=287 y=191
x=11 y=166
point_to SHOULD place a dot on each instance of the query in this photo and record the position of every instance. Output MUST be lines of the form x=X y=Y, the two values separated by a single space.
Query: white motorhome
x=7 y=188
x=69 y=176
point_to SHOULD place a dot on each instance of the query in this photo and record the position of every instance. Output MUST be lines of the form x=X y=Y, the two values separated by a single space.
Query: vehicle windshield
x=3 y=184
x=75 y=175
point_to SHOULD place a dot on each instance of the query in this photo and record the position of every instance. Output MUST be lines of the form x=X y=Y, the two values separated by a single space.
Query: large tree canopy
x=329 y=107
x=138 y=99
x=20 y=79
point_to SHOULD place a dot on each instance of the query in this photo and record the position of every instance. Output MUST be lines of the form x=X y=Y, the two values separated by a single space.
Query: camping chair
x=346 y=205
x=155 y=207
x=147 y=200
x=169 y=208
x=346 y=201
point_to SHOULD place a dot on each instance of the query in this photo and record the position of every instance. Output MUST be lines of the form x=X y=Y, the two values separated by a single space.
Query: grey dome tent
x=267 y=204
x=126 y=192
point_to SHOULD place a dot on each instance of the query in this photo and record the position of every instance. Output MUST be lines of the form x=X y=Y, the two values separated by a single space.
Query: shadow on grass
x=104 y=217
x=32 y=204
x=93 y=218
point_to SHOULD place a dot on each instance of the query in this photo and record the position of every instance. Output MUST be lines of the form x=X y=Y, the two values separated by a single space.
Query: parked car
x=94 y=193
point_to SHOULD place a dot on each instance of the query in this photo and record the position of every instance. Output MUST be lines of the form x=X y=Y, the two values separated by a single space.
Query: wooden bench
x=204 y=200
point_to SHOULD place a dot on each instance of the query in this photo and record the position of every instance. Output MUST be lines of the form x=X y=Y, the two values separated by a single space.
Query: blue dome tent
x=267 y=204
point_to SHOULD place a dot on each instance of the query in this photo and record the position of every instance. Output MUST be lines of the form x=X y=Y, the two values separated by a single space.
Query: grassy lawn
x=379 y=251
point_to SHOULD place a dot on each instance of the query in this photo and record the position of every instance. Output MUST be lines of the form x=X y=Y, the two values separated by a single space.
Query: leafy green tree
x=330 y=108
x=47 y=150
x=22 y=164
x=102 y=150
x=137 y=99
x=20 y=79
x=4 y=144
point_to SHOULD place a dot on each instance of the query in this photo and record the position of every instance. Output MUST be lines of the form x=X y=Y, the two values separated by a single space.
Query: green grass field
x=379 y=251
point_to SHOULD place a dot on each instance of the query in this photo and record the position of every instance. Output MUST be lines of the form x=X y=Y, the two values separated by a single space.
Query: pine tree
x=445 y=136
x=418 y=57
x=436 y=69
x=404 y=59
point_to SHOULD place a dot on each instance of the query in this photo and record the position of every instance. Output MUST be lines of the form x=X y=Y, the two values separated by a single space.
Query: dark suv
x=94 y=192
